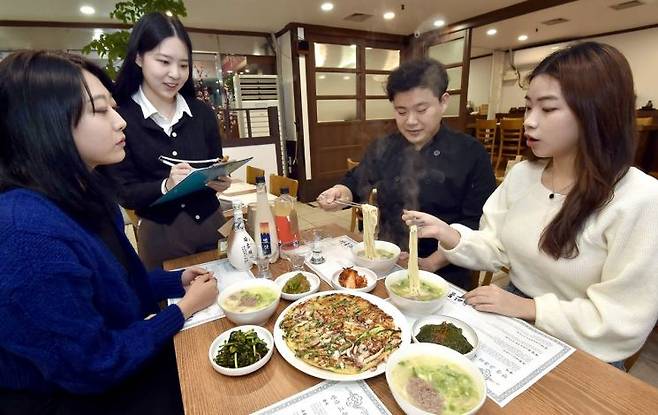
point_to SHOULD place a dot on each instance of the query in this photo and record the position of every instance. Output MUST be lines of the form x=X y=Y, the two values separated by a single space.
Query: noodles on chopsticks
x=412 y=267
x=370 y=217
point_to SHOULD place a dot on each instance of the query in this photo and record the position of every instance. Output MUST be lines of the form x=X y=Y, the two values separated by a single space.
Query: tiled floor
x=646 y=367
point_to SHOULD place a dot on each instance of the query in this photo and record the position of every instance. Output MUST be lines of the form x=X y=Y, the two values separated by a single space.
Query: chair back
x=485 y=132
x=351 y=164
x=277 y=182
x=252 y=173
x=511 y=136
x=643 y=121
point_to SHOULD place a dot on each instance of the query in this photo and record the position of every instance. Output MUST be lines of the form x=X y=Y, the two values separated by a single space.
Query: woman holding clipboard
x=156 y=97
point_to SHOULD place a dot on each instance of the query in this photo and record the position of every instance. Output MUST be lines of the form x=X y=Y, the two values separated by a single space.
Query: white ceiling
x=273 y=15
x=587 y=17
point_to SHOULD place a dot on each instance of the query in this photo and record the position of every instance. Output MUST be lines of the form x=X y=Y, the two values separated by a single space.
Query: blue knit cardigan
x=68 y=317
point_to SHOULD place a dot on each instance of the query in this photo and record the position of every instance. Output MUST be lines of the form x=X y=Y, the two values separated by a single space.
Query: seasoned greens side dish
x=445 y=334
x=241 y=349
x=296 y=285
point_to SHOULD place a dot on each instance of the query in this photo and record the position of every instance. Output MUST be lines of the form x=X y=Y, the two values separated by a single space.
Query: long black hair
x=603 y=102
x=42 y=98
x=147 y=34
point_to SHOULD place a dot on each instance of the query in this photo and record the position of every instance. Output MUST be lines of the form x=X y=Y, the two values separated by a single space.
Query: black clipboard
x=197 y=180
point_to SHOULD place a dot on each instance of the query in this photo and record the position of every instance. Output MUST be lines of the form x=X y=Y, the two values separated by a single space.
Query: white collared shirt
x=149 y=111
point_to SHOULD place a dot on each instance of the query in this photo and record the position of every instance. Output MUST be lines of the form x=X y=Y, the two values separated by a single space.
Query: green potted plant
x=112 y=46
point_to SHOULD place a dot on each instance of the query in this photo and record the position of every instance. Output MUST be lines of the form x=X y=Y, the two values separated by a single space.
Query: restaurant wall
x=479 y=79
x=264 y=157
x=638 y=47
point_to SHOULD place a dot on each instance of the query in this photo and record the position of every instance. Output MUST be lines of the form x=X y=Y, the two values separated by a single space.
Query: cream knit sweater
x=604 y=301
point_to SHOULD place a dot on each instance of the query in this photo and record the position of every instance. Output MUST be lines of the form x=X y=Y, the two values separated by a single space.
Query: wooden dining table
x=581 y=384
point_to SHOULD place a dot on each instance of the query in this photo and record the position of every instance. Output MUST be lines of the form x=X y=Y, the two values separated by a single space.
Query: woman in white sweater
x=576 y=225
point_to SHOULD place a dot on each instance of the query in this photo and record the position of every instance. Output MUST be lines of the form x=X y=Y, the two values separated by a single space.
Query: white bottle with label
x=241 y=246
x=265 y=234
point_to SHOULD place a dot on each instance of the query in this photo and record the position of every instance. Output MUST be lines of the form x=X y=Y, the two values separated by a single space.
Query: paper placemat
x=330 y=398
x=513 y=354
x=225 y=275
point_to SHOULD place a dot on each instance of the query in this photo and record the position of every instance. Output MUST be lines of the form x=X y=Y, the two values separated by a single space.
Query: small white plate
x=313 y=279
x=467 y=330
x=264 y=335
x=371 y=277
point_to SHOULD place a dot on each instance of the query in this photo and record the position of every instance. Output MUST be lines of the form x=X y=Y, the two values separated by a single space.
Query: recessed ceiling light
x=491 y=32
x=88 y=10
x=169 y=13
x=439 y=23
x=346 y=77
x=327 y=7
x=322 y=76
x=389 y=15
x=523 y=38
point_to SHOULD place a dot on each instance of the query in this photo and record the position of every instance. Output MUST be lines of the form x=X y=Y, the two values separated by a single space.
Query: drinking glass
x=263 y=263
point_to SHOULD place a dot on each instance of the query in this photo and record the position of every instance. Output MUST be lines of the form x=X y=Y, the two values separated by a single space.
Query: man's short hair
x=424 y=73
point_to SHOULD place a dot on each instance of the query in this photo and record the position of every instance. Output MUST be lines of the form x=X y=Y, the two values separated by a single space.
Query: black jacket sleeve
x=481 y=183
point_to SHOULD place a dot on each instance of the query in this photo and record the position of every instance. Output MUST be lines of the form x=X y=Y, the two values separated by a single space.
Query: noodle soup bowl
x=379 y=264
x=414 y=357
x=423 y=306
x=261 y=297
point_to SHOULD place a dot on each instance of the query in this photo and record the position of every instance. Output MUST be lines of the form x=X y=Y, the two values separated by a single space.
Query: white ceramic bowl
x=377 y=265
x=250 y=317
x=313 y=280
x=418 y=307
x=264 y=335
x=467 y=331
x=371 y=278
x=436 y=351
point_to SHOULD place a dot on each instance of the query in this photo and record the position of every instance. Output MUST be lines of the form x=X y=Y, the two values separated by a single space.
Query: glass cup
x=263 y=263
x=296 y=257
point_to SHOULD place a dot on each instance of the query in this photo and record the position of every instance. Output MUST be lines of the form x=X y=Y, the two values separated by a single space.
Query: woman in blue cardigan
x=80 y=330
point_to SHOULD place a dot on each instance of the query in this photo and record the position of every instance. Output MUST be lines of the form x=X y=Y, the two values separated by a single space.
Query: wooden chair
x=643 y=121
x=357 y=215
x=252 y=173
x=133 y=220
x=509 y=145
x=277 y=182
x=351 y=164
x=485 y=132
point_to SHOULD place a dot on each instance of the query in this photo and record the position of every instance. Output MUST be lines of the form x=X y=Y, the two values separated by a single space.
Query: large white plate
x=289 y=356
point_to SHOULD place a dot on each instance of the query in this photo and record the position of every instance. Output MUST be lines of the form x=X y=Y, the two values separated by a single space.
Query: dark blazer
x=450 y=177
x=140 y=174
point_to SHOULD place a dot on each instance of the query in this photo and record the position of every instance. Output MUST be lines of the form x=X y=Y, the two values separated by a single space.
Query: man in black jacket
x=425 y=166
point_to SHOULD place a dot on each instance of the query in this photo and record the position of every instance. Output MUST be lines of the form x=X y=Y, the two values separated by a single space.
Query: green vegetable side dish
x=297 y=285
x=241 y=349
x=445 y=334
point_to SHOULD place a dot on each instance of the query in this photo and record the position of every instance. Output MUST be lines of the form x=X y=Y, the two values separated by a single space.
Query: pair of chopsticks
x=342 y=202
